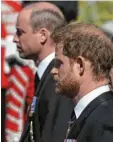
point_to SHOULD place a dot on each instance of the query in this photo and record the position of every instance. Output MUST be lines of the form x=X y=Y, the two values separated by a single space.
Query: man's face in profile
x=26 y=40
x=64 y=75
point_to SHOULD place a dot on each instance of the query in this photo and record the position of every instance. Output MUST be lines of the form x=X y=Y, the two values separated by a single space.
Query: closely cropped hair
x=91 y=43
x=47 y=18
x=58 y=34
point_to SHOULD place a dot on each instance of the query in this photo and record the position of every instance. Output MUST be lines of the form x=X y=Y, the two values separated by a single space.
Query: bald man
x=35 y=25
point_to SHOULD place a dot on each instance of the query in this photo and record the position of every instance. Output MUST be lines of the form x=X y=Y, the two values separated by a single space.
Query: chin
x=25 y=57
x=65 y=93
x=57 y=90
x=22 y=56
x=60 y=91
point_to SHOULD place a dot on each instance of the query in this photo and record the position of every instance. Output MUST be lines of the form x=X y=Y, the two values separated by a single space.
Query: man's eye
x=58 y=63
x=19 y=32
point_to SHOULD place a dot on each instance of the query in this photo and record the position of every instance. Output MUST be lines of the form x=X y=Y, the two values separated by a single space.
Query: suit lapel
x=39 y=92
x=78 y=125
x=43 y=81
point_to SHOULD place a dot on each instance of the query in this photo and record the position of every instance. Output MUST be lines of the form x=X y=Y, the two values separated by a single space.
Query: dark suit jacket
x=53 y=111
x=95 y=124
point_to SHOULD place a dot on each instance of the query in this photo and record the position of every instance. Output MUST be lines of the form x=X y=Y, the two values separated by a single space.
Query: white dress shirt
x=81 y=105
x=44 y=64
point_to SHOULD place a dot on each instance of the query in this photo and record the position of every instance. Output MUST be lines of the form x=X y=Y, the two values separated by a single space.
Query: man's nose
x=15 y=38
x=54 y=71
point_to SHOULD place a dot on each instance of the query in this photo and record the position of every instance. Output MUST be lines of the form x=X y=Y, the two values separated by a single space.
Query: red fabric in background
x=3 y=31
x=20 y=75
x=15 y=5
x=4 y=77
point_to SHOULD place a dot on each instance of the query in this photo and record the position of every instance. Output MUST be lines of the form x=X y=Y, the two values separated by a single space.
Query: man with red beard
x=84 y=58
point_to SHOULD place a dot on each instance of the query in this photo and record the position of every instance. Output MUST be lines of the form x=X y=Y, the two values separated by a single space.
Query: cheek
x=61 y=71
x=34 y=43
x=24 y=40
x=28 y=43
x=63 y=77
x=64 y=69
x=67 y=75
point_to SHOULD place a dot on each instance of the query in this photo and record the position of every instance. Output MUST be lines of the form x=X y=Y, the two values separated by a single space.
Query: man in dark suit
x=34 y=26
x=84 y=58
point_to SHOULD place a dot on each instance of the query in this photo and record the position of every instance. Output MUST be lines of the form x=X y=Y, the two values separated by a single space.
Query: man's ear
x=43 y=35
x=80 y=64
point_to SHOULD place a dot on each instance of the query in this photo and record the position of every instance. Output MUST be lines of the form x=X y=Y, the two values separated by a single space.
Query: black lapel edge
x=87 y=111
x=39 y=90
x=44 y=77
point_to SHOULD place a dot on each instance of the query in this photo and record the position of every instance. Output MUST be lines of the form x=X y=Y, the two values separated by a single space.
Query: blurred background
x=17 y=75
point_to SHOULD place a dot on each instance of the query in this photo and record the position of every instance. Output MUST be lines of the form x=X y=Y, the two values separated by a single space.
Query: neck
x=43 y=54
x=87 y=87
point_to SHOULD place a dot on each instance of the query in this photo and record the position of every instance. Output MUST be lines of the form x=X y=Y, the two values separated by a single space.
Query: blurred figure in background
x=19 y=95
x=4 y=84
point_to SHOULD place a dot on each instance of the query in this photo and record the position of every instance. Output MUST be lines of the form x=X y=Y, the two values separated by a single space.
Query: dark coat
x=95 y=124
x=53 y=111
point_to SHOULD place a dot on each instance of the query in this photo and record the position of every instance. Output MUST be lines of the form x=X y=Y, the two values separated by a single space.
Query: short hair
x=69 y=9
x=46 y=18
x=90 y=42
x=57 y=34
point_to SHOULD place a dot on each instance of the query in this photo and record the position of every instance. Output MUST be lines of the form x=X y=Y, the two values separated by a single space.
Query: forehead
x=23 y=18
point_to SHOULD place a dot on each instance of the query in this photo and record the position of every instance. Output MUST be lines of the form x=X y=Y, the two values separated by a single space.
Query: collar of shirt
x=44 y=64
x=81 y=105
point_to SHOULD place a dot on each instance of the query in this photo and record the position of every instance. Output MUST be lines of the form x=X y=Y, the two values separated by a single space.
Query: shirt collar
x=81 y=105
x=44 y=64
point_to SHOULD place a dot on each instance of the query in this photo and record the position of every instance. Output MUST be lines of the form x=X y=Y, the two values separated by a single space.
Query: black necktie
x=37 y=80
x=71 y=122
x=73 y=116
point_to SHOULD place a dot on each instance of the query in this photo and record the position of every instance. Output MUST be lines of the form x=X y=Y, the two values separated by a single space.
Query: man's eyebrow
x=58 y=60
x=19 y=29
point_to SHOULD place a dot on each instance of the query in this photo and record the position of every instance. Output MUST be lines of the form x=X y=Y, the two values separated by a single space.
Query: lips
x=56 y=82
x=19 y=49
